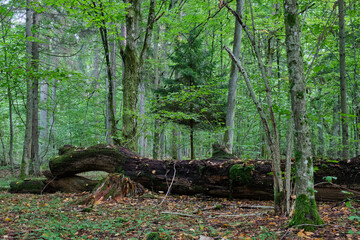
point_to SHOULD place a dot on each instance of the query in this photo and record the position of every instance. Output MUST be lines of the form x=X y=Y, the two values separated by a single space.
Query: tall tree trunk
x=35 y=158
x=343 y=92
x=43 y=118
x=53 y=110
x=11 y=141
x=231 y=101
x=305 y=205
x=131 y=78
x=133 y=62
x=26 y=158
x=9 y=95
x=110 y=125
x=157 y=123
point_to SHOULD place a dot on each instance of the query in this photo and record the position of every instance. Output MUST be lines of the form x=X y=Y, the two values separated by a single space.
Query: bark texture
x=133 y=62
x=231 y=101
x=305 y=205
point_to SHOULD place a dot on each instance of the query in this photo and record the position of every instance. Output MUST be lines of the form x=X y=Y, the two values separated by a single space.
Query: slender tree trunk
x=96 y=94
x=192 y=150
x=9 y=95
x=43 y=118
x=321 y=148
x=110 y=125
x=305 y=206
x=174 y=145
x=142 y=130
x=3 y=158
x=288 y=174
x=335 y=131
x=11 y=141
x=35 y=158
x=343 y=91
x=26 y=158
x=53 y=110
x=271 y=130
x=156 y=137
x=231 y=101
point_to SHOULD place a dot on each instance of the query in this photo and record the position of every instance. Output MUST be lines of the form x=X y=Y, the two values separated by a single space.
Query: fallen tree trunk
x=216 y=177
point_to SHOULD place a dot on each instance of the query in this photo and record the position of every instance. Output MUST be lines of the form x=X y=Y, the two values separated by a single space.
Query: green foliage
x=153 y=236
x=329 y=178
x=192 y=98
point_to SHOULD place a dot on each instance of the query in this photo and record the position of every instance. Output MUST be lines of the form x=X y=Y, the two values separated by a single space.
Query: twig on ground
x=180 y=214
x=256 y=207
x=168 y=191
x=238 y=215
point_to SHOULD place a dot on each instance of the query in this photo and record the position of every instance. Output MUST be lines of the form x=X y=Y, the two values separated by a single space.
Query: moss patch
x=241 y=173
x=306 y=213
x=27 y=186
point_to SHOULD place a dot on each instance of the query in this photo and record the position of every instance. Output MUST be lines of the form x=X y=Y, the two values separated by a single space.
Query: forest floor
x=57 y=216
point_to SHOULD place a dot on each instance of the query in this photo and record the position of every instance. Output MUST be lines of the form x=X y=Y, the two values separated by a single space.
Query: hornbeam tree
x=305 y=206
x=133 y=62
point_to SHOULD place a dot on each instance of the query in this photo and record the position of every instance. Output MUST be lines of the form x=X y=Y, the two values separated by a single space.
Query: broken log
x=216 y=177
x=68 y=184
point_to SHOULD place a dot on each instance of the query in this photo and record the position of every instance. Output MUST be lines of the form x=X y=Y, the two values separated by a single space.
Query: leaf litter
x=57 y=216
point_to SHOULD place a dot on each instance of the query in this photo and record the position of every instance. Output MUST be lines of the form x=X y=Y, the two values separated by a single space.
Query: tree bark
x=305 y=206
x=30 y=148
x=110 y=125
x=133 y=62
x=35 y=62
x=343 y=91
x=43 y=118
x=142 y=130
x=231 y=101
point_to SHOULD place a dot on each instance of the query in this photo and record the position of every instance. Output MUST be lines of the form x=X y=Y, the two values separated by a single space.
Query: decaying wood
x=114 y=187
x=215 y=177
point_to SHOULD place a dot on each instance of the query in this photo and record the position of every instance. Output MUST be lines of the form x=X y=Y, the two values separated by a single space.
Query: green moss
x=306 y=213
x=74 y=153
x=241 y=173
x=27 y=186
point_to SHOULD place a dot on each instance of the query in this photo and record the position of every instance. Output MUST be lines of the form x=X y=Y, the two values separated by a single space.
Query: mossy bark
x=305 y=207
x=306 y=214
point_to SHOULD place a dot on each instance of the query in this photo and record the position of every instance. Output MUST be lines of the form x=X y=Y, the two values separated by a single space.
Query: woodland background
x=183 y=82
